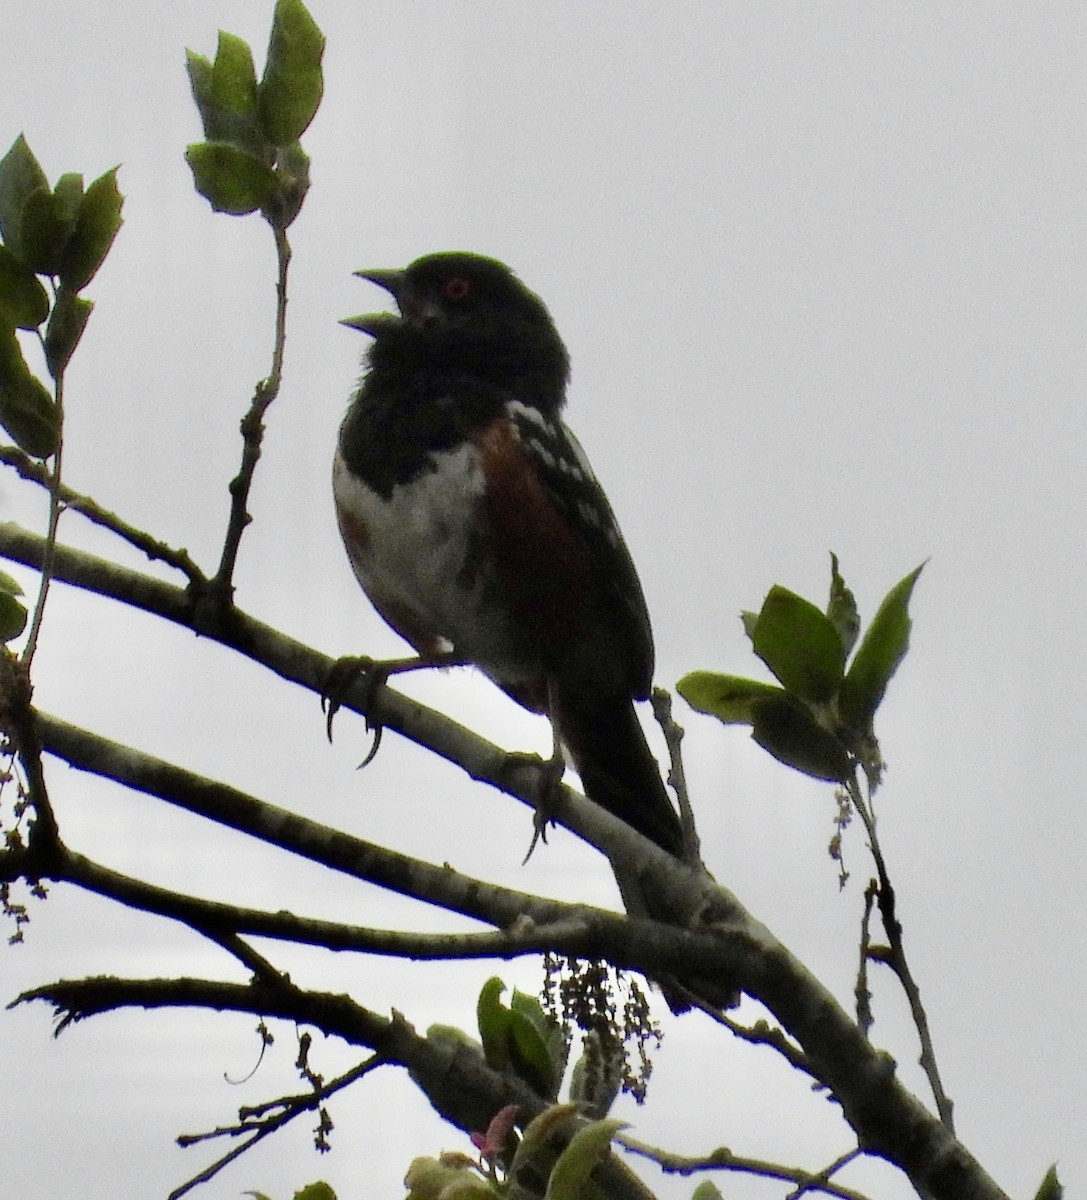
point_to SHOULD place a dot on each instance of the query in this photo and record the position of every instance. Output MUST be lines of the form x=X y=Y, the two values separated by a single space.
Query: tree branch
x=887 y=1119
x=451 y=1072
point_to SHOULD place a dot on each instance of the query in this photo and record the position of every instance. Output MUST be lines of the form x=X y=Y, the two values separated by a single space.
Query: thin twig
x=762 y=1033
x=55 y=509
x=814 y=1183
x=861 y=990
x=895 y=958
x=221 y=587
x=722 y=1159
x=677 y=777
x=261 y=967
x=36 y=472
x=260 y=1127
x=18 y=720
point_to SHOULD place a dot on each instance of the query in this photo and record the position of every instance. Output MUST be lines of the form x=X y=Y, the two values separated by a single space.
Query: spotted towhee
x=476 y=526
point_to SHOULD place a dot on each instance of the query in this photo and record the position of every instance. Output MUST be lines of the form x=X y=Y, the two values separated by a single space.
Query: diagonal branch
x=221 y=921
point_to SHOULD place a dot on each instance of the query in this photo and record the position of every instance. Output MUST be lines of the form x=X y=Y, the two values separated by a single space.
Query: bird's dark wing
x=565 y=473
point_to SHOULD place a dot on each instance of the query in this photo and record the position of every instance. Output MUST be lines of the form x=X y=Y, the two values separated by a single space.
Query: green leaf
x=842 y=609
x=1051 y=1188
x=24 y=303
x=493 y=1018
x=528 y=1055
x=234 y=77
x=46 y=229
x=450 y=1035
x=786 y=729
x=729 y=698
x=20 y=177
x=800 y=645
x=430 y=1179
x=96 y=225
x=12 y=618
x=66 y=324
x=882 y=648
x=706 y=1190
x=587 y=1149
x=517 y=1038
x=69 y=193
x=27 y=410
x=232 y=180
x=199 y=70
x=291 y=87
x=226 y=95
x=315 y=1191
x=550 y=1033
x=292 y=173
x=9 y=585
x=12 y=612
x=536 y=1138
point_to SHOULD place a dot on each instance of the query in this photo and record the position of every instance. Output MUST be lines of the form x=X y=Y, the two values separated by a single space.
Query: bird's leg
x=374 y=672
x=549 y=776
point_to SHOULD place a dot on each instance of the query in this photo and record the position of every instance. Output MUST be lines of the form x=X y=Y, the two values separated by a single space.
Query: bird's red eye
x=457 y=288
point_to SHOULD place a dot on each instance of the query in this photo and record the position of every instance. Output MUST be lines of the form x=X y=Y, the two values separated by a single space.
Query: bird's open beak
x=392 y=281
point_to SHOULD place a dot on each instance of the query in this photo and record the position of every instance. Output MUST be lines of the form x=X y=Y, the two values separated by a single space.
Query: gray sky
x=820 y=270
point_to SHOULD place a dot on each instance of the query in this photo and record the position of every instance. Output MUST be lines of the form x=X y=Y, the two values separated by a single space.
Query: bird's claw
x=549 y=778
x=374 y=673
x=342 y=674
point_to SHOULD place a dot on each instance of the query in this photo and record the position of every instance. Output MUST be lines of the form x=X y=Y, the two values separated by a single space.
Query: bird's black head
x=471 y=315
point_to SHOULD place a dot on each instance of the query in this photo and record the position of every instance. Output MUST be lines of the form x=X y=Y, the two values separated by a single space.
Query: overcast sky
x=821 y=272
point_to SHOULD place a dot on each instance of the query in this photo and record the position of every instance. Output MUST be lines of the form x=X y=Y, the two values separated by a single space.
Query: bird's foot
x=549 y=772
x=371 y=673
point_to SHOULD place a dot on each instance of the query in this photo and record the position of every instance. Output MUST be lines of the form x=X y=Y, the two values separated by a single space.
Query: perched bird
x=476 y=526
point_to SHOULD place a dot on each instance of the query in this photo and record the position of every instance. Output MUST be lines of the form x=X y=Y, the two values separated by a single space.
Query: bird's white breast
x=411 y=549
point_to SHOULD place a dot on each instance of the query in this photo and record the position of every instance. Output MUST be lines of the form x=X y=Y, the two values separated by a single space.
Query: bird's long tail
x=617 y=769
x=618 y=772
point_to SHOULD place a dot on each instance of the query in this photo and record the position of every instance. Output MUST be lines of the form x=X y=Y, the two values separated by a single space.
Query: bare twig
x=763 y=1034
x=18 y=721
x=820 y=1178
x=258 y=1123
x=36 y=472
x=677 y=777
x=722 y=1159
x=55 y=509
x=221 y=588
x=861 y=990
x=895 y=958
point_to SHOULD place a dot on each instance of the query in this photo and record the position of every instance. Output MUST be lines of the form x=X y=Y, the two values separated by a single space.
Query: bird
x=478 y=530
